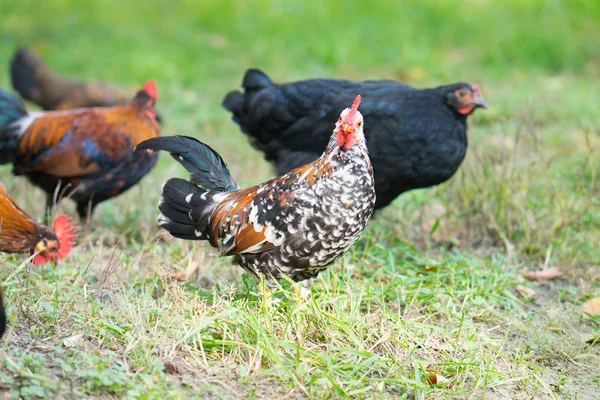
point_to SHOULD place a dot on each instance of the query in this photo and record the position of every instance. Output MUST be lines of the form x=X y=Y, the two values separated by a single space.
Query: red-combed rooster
x=295 y=226
x=21 y=234
x=87 y=152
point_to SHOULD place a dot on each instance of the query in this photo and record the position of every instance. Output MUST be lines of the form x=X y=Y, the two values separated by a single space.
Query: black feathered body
x=415 y=139
x=295 y=226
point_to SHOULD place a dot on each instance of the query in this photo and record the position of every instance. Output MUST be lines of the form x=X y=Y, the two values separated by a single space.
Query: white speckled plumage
x=296 y=225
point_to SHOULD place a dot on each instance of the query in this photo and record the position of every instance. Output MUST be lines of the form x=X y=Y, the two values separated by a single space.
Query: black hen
x=417 y=137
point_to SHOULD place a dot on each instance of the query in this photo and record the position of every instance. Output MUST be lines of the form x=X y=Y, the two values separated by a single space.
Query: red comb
x=151 y=89
x=353 y=109
x=65 y=228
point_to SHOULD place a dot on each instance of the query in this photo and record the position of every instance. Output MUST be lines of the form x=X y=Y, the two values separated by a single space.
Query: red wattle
x=341 y=139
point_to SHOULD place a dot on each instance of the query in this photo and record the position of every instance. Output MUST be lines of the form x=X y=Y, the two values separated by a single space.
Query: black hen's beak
x=480 y=102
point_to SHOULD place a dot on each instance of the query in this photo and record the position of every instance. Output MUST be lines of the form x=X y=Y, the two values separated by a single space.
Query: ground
x=430 y=303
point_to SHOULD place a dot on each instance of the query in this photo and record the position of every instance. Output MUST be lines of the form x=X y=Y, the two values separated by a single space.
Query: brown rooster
x=85 y=153
x=37 y=83
x=21 y=234
x=295 y=226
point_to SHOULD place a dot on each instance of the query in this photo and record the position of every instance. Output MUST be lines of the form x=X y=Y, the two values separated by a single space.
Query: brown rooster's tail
x=27 y=71
x=36 y=82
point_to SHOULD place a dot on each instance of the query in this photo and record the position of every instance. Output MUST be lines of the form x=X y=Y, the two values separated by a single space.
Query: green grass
x=433 y=287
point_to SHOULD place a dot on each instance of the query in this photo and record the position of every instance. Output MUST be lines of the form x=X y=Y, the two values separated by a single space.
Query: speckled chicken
x=417 y=137
x=85 y=154
x=295 y=225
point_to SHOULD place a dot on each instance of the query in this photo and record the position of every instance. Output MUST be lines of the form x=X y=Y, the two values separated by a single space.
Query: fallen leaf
x=437 y=380
x=172 y=368
x=431 y=268
x=592 y=339
x=553 y=328
x=73 y=341
x=180 y=276
x=591 y=306
x=436 y=344
x=543 y=275
x=527 y=293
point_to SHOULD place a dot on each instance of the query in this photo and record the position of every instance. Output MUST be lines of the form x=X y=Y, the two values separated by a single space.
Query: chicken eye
x=462 y=93
x=359 y=124
x=340 y=119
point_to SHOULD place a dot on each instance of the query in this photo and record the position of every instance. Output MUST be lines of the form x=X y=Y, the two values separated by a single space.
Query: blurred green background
x=196 y=43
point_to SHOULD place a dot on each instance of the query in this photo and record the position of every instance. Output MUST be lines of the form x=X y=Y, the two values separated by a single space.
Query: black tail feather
x=185 y=210
x=238 y=103
x=234 y=102
x=11 y=110
x=206 y=165
x=256 y=79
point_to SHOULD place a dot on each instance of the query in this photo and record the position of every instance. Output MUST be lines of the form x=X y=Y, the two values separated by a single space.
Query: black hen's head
x=464 y=98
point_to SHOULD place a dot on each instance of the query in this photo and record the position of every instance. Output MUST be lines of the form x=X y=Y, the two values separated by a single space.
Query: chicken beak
x=53 y=262
x=345 y=135
x=480 y=102
x=347 y=129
